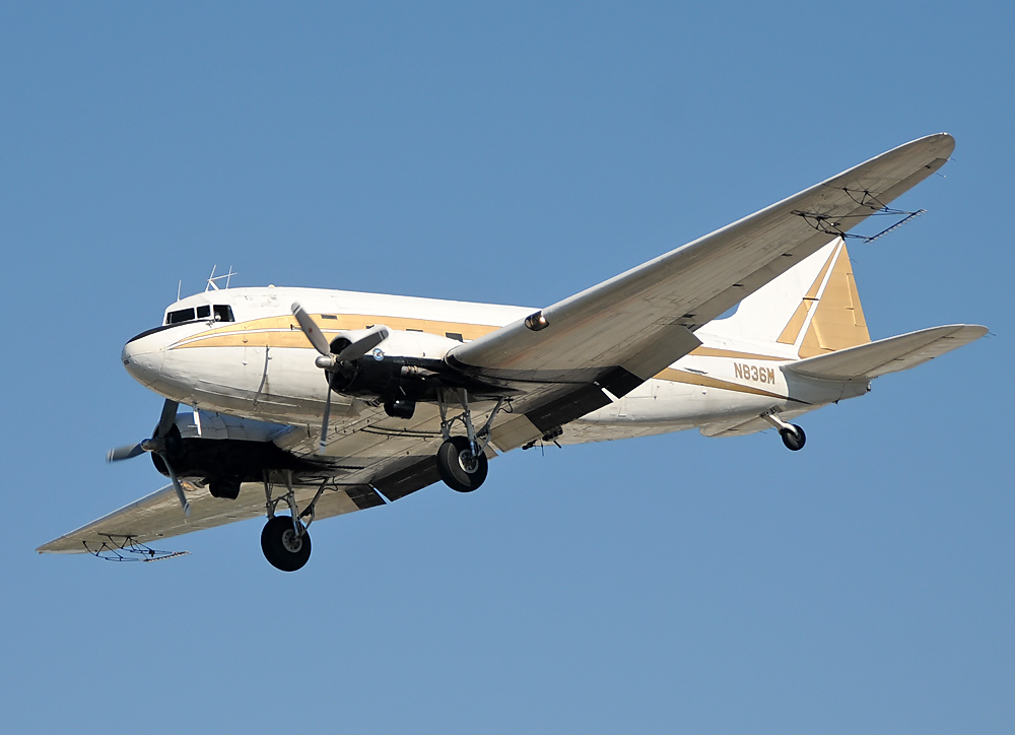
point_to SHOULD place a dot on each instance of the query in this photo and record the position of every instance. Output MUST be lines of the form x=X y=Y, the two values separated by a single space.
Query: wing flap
x=610 y=324
x=891 y=355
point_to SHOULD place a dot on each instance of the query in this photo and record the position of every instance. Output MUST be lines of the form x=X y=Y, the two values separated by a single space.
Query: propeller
x=156 y=445
x=331 y=362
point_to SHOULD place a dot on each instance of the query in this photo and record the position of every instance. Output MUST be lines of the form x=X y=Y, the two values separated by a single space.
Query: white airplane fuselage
x=260 y=366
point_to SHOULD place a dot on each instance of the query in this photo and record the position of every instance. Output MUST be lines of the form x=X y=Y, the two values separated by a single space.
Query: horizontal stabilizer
x=891 y=355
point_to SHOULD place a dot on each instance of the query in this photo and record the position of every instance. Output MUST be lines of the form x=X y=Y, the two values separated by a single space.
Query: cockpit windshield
x=216 y=313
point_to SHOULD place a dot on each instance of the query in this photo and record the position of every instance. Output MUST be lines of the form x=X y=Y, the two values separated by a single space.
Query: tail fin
x=814 y=307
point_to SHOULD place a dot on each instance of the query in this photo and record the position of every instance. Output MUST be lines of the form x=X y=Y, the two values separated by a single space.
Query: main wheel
x=282 y=546
x=793 y=437
x=460 y=469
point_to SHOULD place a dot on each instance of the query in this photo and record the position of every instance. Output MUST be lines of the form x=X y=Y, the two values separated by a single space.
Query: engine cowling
x=387 y=377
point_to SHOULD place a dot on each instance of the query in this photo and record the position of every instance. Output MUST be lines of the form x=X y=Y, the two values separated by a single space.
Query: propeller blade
x=310 y=328
x=324 y=423
x=177 y=486
x=168 y=418
x=124 y=452
x=363 y=345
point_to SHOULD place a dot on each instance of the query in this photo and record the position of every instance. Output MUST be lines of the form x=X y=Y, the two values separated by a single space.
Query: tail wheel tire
x=282 y=546
x=460 y=469
x=793 y=437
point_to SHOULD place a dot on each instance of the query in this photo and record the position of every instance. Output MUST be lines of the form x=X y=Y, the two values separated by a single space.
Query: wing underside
x=159 y=515
x=373 y=459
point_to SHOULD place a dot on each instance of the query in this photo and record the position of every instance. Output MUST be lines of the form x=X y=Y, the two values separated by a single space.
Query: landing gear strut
x=461 y=460
x=793 y=436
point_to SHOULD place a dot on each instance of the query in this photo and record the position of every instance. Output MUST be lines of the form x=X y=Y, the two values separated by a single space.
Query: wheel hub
x=468 y=461
x=292 y=541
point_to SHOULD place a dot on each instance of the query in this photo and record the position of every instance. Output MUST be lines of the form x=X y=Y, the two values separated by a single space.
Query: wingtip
x=941 y=144
x=948 y=140
x=945 y=141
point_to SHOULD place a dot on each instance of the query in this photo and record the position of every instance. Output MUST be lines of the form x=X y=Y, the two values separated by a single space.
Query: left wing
x=370 y=459
x=159 y=515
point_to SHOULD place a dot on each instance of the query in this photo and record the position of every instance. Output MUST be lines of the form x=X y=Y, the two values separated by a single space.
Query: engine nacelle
x=387 y=377
x=407 y=366
x=224 y=451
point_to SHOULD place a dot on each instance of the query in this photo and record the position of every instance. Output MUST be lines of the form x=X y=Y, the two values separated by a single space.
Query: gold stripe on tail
x=838 y=320
x=796 y=323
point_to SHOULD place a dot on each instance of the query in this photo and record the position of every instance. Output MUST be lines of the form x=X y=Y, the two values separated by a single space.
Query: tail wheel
x=283 y=547
x=460 y=469
x=793 y=437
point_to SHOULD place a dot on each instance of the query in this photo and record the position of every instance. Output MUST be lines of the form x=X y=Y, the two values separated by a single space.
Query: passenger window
x=203 y=312
x=223 y=313
x=179 y=317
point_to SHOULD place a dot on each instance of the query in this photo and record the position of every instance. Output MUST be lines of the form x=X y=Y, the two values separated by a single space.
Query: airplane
x=324 y=402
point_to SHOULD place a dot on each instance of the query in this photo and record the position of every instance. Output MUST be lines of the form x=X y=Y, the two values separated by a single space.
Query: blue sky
x=515 y=154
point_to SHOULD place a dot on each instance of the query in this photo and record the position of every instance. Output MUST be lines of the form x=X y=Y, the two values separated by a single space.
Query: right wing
x=579 y=354
x=641 y=320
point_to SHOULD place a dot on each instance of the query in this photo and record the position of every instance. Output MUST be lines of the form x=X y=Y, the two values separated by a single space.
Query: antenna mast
x=212 y=279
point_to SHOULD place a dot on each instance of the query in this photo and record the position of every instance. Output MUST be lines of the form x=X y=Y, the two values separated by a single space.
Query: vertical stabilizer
x=813 y=308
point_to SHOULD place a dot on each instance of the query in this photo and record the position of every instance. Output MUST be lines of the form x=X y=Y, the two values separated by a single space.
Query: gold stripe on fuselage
x=719 y=352
x=284 y=332
x=683 y=376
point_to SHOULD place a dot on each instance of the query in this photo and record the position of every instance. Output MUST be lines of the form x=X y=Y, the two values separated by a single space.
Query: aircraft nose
x=143 y=356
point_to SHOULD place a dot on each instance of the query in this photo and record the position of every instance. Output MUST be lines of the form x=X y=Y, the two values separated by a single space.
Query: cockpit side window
x=179 y=317
x=223 y=313
x=204 y=312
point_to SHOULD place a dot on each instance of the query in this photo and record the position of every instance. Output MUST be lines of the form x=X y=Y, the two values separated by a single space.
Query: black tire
x=793 y=437
x=282 y=547
x=457 y=466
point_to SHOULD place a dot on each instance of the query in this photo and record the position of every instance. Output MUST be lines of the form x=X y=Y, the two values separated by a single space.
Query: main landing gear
x=461 y=460
x=793 y=436
x=285 y=541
